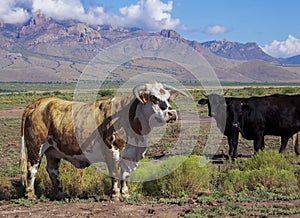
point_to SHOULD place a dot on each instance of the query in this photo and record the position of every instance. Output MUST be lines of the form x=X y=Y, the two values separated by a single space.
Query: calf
x=111 y=131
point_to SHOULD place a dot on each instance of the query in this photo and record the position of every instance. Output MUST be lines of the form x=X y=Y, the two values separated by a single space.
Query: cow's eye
x=153 y=99
x=163 y=105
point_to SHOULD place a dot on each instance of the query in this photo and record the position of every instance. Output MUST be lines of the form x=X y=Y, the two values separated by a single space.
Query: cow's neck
x=137 y=120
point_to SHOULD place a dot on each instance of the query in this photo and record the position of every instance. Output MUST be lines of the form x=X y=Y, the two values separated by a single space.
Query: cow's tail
x=23 y=154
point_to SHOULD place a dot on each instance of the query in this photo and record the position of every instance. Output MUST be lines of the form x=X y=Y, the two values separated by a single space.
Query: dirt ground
x=122 y=209
x=96 y=209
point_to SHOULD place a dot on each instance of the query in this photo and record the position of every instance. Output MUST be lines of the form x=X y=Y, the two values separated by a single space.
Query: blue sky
x=273 y=24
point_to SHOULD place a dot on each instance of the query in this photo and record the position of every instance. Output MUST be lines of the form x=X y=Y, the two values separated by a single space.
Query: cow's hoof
x=115 y=198
x=60 y=196
x=125 y=196
x=30 y=194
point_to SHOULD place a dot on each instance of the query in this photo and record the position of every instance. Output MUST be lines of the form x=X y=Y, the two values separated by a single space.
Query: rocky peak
x=171 y=34
x=84 y=33
x=38 y=19
x=239 y=51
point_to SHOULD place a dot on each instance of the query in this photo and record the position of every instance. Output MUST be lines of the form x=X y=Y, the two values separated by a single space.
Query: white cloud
x=12 y=11
x=287 y=48
x=216 y=29
x=145 y=14
x=59 y=9
x=151 y=14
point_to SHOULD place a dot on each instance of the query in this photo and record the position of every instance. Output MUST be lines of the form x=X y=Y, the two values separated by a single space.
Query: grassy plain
x=264 y=185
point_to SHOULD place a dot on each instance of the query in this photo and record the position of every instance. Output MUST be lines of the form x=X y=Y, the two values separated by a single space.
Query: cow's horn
x=202 y=93
x=172 y=88
x=136 y=90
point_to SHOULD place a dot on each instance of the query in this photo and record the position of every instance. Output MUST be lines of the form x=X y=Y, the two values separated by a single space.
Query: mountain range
x=44 y=49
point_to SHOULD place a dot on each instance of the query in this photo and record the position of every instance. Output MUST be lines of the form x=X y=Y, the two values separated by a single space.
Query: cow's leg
x=295 y=141
x=235 y=141
x=230 y=144
x=115 y=191
x=114 y=173
x=124 y=188
x=53 y=171
x=284 y=141
x=32 y=168
x=259 y=142
x=33 y=163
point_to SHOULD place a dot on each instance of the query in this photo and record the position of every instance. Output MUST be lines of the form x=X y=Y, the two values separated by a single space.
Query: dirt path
x=124 y=210
x=93 y=209
x=12 y=112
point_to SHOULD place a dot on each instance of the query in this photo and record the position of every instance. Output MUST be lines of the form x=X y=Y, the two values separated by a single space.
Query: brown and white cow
x=111 y=131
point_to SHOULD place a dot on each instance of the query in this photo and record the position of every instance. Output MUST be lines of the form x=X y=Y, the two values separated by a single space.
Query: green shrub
x=9 y=189
x=267 y=169
x=186 y=179
x=81 y=183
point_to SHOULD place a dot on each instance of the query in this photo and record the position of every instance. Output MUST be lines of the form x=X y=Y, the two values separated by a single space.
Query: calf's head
x=155 y=98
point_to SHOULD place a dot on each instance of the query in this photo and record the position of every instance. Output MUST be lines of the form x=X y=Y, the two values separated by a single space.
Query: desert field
x=264 y=185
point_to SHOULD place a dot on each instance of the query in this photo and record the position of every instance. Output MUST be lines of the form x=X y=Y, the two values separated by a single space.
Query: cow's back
x=274 y=115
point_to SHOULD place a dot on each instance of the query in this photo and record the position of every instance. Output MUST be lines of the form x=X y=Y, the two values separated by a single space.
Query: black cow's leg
x=53 y=171
x=284 y=141
x=230 y=144
x=235 y=140
x=259 y=142
x=295 y=140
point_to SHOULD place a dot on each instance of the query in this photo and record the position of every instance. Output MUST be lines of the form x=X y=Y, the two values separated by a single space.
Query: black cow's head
x=216 y=108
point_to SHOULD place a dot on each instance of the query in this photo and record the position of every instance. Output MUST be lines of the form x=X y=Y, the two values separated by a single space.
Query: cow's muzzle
x=236 y=125
x=172 y=116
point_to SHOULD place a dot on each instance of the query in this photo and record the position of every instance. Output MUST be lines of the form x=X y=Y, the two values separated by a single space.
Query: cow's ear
x=203 y=101
x=173 y=94
x=145 y=97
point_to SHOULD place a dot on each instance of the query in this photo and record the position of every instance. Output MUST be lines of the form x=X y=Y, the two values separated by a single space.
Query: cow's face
x=216 y=105
x=155 y=99
x=217 y=108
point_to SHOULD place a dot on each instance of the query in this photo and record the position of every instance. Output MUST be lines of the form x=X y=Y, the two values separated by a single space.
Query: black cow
x=225 y=111
x=277 y=115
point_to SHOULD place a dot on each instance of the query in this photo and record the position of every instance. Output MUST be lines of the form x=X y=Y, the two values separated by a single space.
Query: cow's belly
x=96 y=153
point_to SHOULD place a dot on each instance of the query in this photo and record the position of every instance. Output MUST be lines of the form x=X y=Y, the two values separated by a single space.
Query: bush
x=81 y=183
x=267 y=169
x=188 y=179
